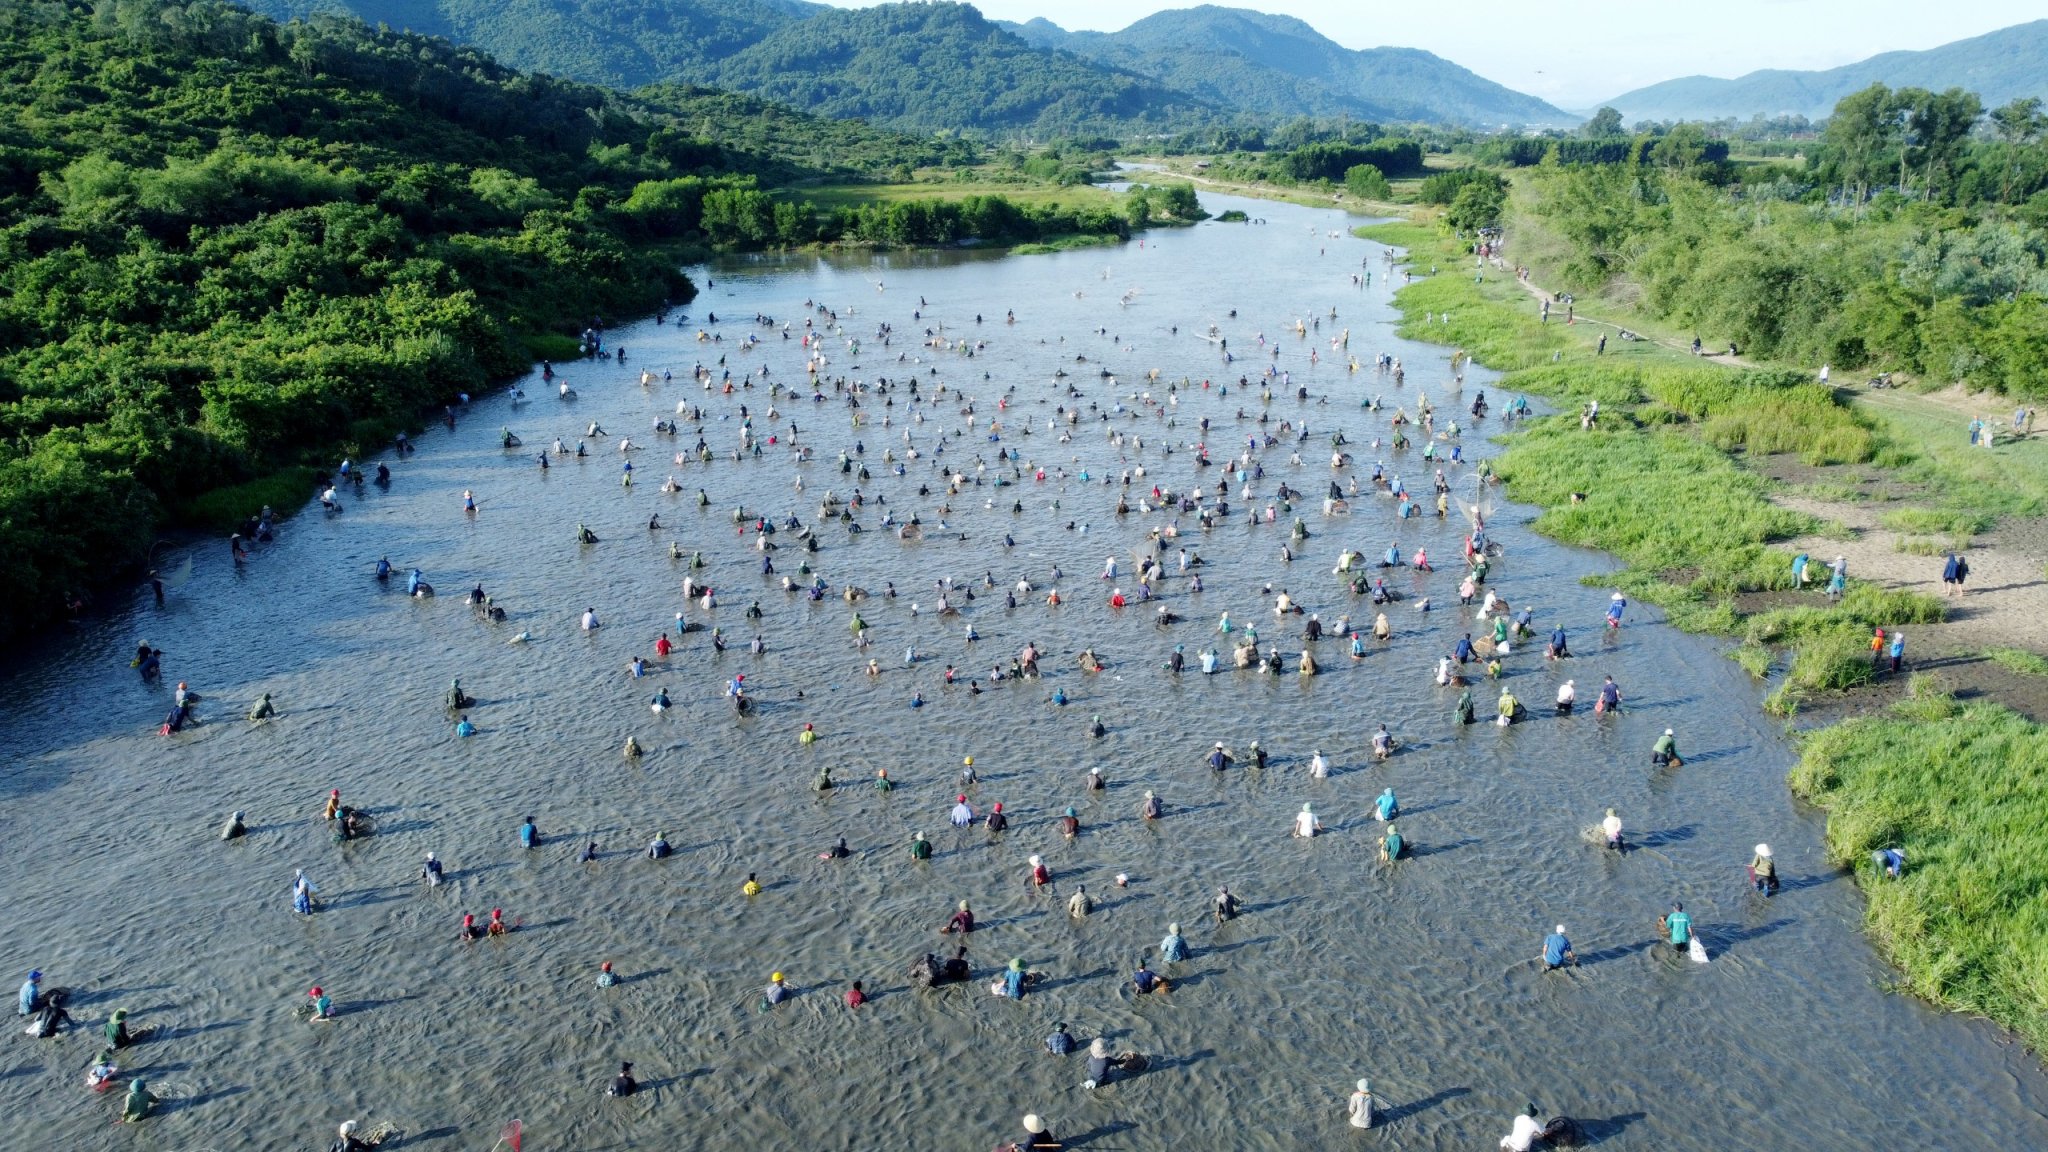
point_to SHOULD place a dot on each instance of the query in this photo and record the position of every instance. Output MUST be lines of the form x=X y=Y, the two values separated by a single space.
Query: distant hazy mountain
x=1998 y=66
x=1280 y=66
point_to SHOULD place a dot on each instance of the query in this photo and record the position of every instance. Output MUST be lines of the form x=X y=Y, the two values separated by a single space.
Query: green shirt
x=1680 y=925
x=920 y=850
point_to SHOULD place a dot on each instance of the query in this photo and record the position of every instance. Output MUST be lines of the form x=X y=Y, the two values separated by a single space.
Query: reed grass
x=1963 y=791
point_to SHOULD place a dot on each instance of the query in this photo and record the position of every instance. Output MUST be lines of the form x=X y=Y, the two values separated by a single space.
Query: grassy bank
x=1659 y=472
x=1963 y=791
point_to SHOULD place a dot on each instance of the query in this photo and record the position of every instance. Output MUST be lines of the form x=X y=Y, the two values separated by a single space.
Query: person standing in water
x=1763 y=871
x=140 y=1102
x=1557 y=951
x=1612 y=827
x=1678 y=926
x=1360 y=1107
x=1080 y=904
x=1226 y=905
x=1173 y=947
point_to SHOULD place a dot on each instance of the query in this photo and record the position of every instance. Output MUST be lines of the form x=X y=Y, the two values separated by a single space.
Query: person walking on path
x=1954 y=571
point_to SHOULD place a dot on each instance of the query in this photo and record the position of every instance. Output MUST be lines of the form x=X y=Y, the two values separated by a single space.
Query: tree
x=1940 y=123
x=1365 y=182
x=1860 y=136
x=2017 y=125
x=1478 y=206
x=1683 y=148
x=1605 y=122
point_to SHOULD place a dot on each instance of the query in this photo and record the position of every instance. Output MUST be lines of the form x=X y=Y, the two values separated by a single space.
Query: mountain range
x=1278 y=66
x=943 y=66
x=1998 y=66
x=940 y=66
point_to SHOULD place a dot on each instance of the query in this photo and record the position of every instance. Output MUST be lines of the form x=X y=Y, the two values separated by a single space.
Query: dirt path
x=1541 y=293
x=2005 y=602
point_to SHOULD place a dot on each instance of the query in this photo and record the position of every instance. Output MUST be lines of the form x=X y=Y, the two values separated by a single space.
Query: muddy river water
x=1421 y=977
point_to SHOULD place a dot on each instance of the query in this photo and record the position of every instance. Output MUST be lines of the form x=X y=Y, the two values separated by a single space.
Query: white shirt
x=1305 y=824
x=1613 y=826
x=1525 y=1134
x=1361 y=1110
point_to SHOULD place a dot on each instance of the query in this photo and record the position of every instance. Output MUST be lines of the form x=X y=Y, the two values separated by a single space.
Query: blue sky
x=1575 y=53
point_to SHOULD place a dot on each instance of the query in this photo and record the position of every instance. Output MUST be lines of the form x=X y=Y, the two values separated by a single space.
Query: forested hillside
x=940 y=66
x=923 y=67
x=620 y=43
x=1278 y=66
x=227 y=245
x=911 y=67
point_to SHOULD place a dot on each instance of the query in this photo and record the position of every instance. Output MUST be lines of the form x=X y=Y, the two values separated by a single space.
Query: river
x=1420 y=977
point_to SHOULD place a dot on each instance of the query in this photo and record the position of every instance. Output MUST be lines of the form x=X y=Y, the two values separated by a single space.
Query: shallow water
x=1420 y=977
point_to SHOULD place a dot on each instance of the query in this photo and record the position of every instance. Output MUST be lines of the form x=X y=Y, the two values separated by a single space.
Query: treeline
x=1330 y=161
x=1682 y=146
x=735 y=213
x=1948 y=295
x=230 y=246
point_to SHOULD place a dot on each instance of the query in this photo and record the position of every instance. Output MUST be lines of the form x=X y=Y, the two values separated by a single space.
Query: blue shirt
x=1554 y=948
x=29 y=992
x=527 y=834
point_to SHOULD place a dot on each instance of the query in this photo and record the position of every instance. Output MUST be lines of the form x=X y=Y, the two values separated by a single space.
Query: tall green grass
x=1937 y=521
x=1681 y=514
x=225 y=508
x=1963 y=791
x=552 y=346
x=2018 y=660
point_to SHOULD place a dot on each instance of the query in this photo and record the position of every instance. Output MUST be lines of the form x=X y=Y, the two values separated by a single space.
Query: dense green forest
x=1913 y=237
x=229 y=246
x=928 y=67
x=923 y=67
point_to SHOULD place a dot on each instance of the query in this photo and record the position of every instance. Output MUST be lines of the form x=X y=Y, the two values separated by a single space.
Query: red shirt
x=854 y=998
